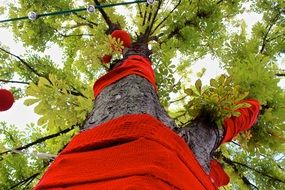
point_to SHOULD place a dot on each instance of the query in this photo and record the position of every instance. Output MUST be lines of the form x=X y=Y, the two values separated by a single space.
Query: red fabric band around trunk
x=130 y=152
x=132 y=65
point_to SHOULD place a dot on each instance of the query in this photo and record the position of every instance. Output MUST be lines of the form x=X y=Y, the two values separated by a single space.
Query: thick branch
x=40 y=140
x=201 y=128
x=108 y=21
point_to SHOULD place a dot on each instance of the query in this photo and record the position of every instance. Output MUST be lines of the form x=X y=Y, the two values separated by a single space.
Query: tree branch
x=181 y=115
x=74 y=35
x=173 y=101
x=244 y=179
x=144 y=16
x=231 y=162
x=140 y=10
x=282 y=35
x=77 y=25
x=23 y=62
x=28 y=180
x=40 y=140
x=220 y=1
x=73 y=91
x=90 y=23
x=280 y=74
x=13 y=81
x=269 y=27
x=177 y=29
x=108 y=21
x=179 y=2
x=148 y=31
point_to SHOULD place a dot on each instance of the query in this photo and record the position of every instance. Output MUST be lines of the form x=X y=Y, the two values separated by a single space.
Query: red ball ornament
x=124 y=36
x=6 y=99
x=106 y=59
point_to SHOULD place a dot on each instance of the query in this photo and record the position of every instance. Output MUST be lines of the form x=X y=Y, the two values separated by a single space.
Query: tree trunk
x=134 y=94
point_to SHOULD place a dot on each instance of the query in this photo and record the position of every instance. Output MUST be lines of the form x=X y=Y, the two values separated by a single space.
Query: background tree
x=178 y=33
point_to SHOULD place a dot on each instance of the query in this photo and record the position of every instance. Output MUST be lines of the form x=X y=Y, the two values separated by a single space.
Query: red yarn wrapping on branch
x=217 y=174
x=232 y=127
x=132 y=65
x=130 y=152
x=248 y=116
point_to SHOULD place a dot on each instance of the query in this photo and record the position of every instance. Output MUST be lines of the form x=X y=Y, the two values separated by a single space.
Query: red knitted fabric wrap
x=131 y=152
x=134 y=64
x=232 y=127
x=248 y=116
x=217 y=174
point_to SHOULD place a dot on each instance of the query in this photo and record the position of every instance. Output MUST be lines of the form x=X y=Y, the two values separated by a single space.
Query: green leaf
x=198 y=85
x=31 y=101
x=189 y=91
x=214 y=83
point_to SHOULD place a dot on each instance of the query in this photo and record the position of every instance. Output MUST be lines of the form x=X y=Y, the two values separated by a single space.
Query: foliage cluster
x=180 y=33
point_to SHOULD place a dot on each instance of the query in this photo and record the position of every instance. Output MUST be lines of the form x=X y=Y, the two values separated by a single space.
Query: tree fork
x=135 y=95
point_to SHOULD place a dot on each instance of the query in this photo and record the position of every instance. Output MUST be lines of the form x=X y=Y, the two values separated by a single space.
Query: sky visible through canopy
x=20 y=115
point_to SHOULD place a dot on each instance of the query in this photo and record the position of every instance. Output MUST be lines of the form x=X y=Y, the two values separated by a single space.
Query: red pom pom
x=6 y=99
x=124 y=36
x=106 y=58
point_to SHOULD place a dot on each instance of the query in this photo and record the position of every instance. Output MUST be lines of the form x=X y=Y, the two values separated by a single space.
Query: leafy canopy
x=180 y=33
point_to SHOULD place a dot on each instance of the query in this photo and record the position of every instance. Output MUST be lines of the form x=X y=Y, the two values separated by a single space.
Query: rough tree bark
x=134 y=94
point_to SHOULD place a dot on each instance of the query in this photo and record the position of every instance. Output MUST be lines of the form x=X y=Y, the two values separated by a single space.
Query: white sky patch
x=212 y=69
x=56 y=54
x=7 y=39
x=250 y=18
x=19 y=114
